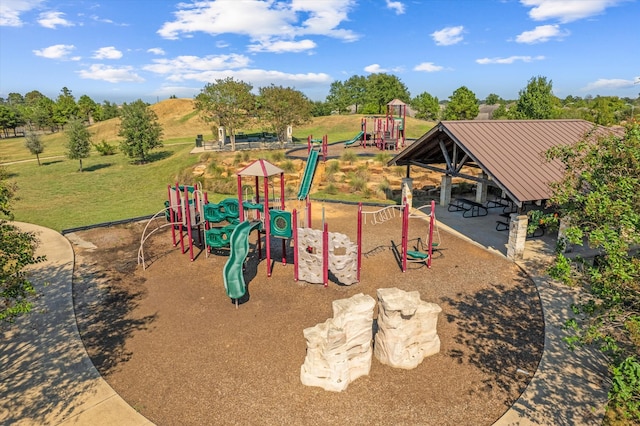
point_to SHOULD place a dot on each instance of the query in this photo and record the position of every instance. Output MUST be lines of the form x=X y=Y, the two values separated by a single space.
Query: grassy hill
x=112 y=188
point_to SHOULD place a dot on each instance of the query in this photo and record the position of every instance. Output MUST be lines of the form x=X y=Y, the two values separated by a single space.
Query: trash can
x=199 y=141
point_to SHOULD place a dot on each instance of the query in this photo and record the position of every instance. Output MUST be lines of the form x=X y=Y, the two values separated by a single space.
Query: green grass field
x=111 y=188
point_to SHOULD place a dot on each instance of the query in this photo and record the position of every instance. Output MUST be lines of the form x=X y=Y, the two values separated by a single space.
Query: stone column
x=289 y=134
x=407 y=190
x=445 y=190
x=562 y=238
x=481 y=190
x=222 y=136
x=517 y=236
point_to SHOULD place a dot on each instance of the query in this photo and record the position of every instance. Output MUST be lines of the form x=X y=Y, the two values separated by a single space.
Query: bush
x=288 y=166
x=383 y=157
x=331 y=189
x=332 y=167
x=276 y=156
x=104 y=148
x=348 y=156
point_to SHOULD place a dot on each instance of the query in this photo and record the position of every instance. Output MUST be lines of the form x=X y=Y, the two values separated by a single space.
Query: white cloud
x=428 y=67
x=397 y=6
x=57 y=51
x=108 y=52
x=53 y=19
x=448 y=36
x=266 y=23
x=282 y=46
x=10 y=11
x=110 y=74
x=541 y=34
x=374 y=68
x=566 y=10
x=177 y=68
x=612 y=83
x=156 y=51
x=509 y=60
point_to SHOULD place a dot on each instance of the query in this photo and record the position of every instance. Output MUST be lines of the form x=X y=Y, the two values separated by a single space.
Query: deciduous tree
x=281 y=107
x=141 y=130
x=427 y=107
x=227 y=103
x=339 y=97
x=78 y=141
x=17 y=251
x=382 y=88
x=33 y=143
x=463 y=105
x=536 y=101
x=599 y=200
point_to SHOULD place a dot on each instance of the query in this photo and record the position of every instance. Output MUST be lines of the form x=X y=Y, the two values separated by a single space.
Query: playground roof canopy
x=260 y=168
x=509 y=152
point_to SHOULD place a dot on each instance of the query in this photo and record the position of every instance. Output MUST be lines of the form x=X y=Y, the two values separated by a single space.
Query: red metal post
x=295 y=245
x=266 y=225
x=325 y=255
x=405 y=234
x=359 y=242
x=432 y=222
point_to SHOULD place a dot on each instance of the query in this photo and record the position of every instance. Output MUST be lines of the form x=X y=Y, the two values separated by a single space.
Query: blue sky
x=123 y=50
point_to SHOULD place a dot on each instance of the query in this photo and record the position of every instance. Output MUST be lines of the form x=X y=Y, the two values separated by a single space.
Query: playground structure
x=227 y=226
x=386 y=132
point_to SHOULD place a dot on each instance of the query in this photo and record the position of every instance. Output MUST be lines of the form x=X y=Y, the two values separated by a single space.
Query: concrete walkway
x=46 y=376
x=570 y=387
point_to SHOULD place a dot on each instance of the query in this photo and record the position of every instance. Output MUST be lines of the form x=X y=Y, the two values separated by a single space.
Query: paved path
x=46 y=376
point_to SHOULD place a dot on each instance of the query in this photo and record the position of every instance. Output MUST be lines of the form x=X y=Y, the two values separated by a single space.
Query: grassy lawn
x=110 y=188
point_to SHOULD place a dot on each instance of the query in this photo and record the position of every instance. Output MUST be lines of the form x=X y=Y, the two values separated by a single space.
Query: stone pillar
x=407 y=190
x=445 y=190
x=222 y=135
x=517 y=236
x=407 y=328
x=481 y=190
x=563 y=243
x=339 y=350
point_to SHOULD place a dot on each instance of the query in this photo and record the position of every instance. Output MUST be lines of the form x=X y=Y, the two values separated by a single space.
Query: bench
x=506 y=204
x=468 y=207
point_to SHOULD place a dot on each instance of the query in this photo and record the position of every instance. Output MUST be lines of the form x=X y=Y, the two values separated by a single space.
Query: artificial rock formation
x=339 y=350
x=406 y=328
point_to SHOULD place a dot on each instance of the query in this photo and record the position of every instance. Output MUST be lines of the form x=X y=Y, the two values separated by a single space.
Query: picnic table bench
x=468 y=207
x=503 y=225
x=507 y=205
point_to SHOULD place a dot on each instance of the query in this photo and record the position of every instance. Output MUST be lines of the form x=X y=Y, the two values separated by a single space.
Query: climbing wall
x=343 y=257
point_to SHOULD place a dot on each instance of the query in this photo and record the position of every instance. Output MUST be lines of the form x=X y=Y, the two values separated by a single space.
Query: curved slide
x=233 y=275
x=307 y=177
x=355 y=139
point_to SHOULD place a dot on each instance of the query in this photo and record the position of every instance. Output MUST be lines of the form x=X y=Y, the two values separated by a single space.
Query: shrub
x=276 y=156
x=383 y=157
x=348 y=156
x=104 y=148
x=332 y=167
x=331 y=189
x=358 y=183
x=288 y=166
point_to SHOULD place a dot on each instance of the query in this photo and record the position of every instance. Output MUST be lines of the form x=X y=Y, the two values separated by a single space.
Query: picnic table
x=507 y=205
x=468 y=207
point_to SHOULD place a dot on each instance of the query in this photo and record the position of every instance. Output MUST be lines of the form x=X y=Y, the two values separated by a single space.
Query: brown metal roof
x=510 y=152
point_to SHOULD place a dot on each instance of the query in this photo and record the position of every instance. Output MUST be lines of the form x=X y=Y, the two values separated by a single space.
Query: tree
x=598 y=198
x=493 y=99
x=356 y=87
x=382 y=88
x=320 y=109
x=109 y=110
x=426 y=106
x=34 y=144
x=536 y=101
x=78 y=141
x=65 y=108
x=87 y=108
x=463 y=105
x=281 y=107
x=227 y=103
x=140 y=129
x=16 y=253
x=338 y=97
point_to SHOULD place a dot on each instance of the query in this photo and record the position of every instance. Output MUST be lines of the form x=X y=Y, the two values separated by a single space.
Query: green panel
x=280 y=224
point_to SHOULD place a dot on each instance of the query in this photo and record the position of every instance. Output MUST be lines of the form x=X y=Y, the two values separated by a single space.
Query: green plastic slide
x=355 y=139
x=233 y=276
x=307 y=178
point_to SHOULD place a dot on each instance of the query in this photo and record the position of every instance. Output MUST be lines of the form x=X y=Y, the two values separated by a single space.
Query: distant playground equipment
x=386 y=132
